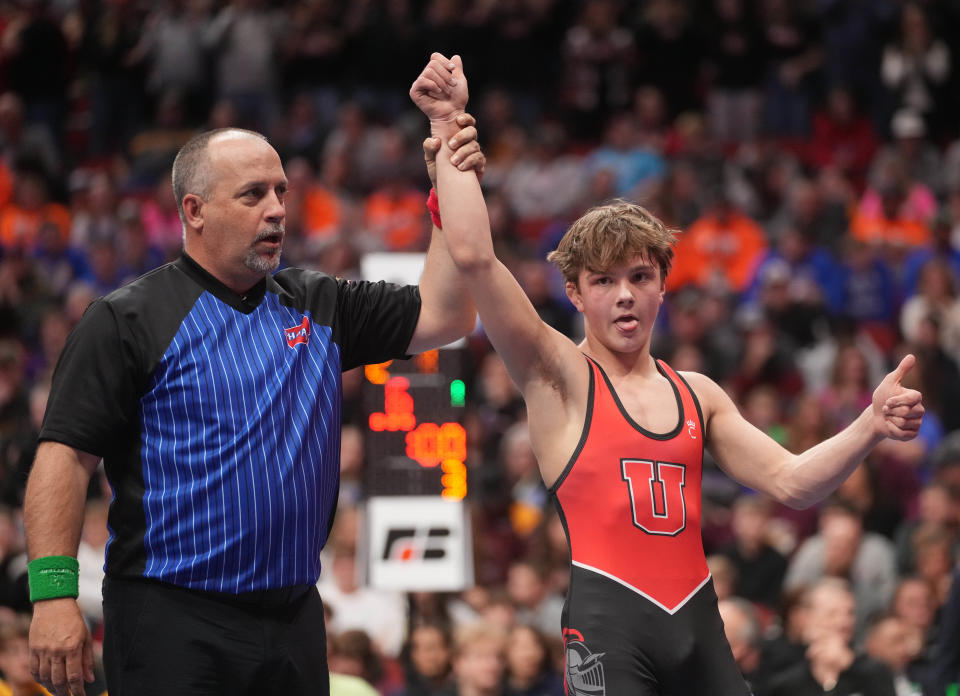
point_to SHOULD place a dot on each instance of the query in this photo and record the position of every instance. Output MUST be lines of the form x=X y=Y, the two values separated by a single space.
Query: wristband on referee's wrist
x=433 y=205
x=52 y=577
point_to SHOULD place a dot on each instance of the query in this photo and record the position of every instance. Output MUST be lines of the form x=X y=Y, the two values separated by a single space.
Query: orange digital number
x=397 y=408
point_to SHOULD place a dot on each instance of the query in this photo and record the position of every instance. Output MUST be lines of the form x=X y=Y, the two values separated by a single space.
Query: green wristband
x=52 y=577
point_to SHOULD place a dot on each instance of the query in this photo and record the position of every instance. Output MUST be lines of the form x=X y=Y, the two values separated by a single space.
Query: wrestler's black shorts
x=619 y=643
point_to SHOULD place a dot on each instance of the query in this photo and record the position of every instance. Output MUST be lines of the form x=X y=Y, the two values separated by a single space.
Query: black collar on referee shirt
x=246 y=302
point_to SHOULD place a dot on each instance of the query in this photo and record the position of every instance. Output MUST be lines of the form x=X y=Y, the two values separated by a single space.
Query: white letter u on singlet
x=656 y=495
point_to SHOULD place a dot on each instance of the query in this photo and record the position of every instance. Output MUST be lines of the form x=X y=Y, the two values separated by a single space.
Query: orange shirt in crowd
x=19 y=226
x=397 y=219
x=712 y=246
x=901 y=232
x=322 y=214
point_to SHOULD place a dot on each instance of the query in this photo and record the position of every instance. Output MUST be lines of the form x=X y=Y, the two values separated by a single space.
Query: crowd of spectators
x=809 y=150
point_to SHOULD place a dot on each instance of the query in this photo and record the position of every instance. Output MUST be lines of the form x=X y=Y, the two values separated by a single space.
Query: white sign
x=418 y=543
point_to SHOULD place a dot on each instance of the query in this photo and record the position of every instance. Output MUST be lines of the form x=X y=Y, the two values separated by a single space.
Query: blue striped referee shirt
x=218 y=417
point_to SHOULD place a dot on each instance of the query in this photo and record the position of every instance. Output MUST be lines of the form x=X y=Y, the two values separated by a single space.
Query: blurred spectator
x=671 y=50
x=479 y=661
x=427 y=660
x=314 y=54
x=14 y=403
x=104 y=272
x=17 y=450
x=349 y=685
x=765 y=359
x=783 y=645
x=155 y=145
x=690 y=143
x=136 y=255
x=916 y=67
x=245 y=37
x=650 y=116
x=891 y=641
x=633 y=166
x=678 y=200
x=808 y=208
x=914 y=601
x=760 y=567
x=915 y=604
x=735 y=104
x=394 y=216
x=325 y=207
x=499 y=611
x=850 y=389
x=872 y=488
x=528 y=497
x=298 y=131
x=537 y=279
x=724 y=575
x=944 y=673
x=933 y=559
x=853 y=35
x=172 y=47
x=26 y=143
x=842 y=137
x=548 y=549
x=36 y=55
x=940 y=249
x=351 y=465
x=912 y=153
x=719 y=249
x=535 y=604
x=938 y=507
x=31 y=206
x=379 y=613
x=58 y=264
x=937 y=300
x=14 y=592
x=743 y=630
x=599 y=57
x=98 y=220
x=841 y=549
x=831 y=665
x=788 y=297
x=893 y=214
x=111 y=31
x=353 y=653
x=160 y=218
x=546 y=182
x=15 y=658
x=869 y=290
x=794 y=56
x=529 y=670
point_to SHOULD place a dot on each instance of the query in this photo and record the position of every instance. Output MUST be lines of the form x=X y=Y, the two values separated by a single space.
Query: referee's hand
x=61 y=650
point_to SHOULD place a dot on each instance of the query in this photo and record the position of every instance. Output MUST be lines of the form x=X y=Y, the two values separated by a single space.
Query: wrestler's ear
x=573 y=294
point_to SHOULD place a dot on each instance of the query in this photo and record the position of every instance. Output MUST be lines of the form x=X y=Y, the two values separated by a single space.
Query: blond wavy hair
x=610 y=234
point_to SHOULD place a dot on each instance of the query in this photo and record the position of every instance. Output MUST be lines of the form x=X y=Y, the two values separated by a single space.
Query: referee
x=210 y=387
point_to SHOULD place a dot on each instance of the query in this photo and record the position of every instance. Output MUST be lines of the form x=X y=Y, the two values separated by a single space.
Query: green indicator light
x=458 y=393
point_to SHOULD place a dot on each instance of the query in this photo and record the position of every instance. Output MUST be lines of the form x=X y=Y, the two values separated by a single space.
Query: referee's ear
x=193 y=211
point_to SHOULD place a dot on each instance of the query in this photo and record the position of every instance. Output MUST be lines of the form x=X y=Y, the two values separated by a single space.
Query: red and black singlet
x=631 y=498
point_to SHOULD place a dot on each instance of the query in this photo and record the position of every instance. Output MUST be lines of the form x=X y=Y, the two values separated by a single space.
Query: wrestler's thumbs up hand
x=897 y=410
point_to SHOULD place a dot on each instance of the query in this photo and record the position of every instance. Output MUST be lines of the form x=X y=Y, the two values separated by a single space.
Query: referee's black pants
x=165 y=640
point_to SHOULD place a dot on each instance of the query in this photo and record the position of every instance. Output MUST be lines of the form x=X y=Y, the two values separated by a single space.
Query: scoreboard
x=415 y=440
x=417 y=527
